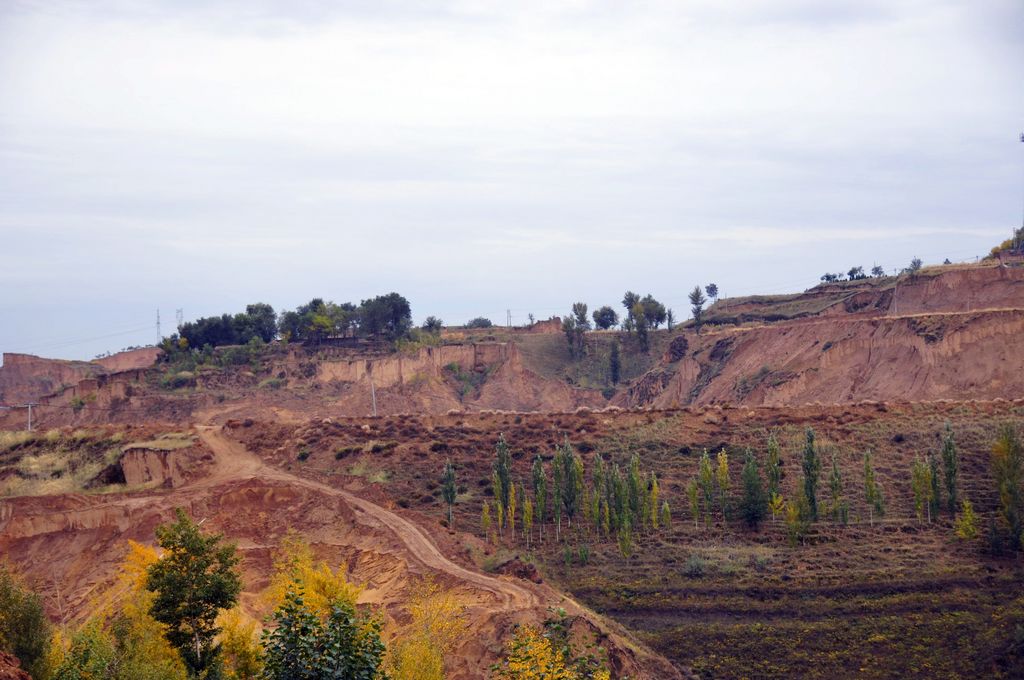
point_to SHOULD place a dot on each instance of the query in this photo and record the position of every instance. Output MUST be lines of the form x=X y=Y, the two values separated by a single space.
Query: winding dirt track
x=233 y=462
x=31 y=521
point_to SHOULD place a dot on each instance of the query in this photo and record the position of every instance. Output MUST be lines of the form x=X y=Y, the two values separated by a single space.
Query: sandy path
x=234 y=462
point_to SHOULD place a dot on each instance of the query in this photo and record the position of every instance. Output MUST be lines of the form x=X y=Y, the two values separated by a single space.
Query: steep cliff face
x=955 y=335
x=392 y=371
x=435 y=380
x=973 y=355
x=962 y=289
x=24 y=377
x=946 y=333
x=951 y=288
x=130 y=360
x=467 y=377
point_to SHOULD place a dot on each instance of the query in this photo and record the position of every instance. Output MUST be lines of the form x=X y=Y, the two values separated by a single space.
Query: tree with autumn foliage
x=121 y=641
x=530 y=655
x=438 y=624
x=317 y=631
x=1007 y=466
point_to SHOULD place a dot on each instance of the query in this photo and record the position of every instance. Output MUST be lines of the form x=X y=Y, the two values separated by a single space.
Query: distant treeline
x=387 y=317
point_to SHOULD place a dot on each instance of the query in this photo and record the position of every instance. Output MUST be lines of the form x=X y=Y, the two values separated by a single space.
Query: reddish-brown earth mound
x=10 y=669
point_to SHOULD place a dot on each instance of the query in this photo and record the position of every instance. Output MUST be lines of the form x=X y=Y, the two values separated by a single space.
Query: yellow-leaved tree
x=296 y=567
x=317 y=629
x=438 y=623
x=240 y=646
x=529 y=655
x=121 y=640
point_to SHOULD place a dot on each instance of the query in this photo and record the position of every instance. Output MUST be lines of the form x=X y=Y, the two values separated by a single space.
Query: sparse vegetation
x=697 y=301
x=272 y=383
x=887 y=584
x=60 y=461
x=24 y=629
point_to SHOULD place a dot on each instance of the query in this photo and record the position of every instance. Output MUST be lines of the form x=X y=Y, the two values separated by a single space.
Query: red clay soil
x=129 y=360
x=77 y=541
x=10 y=669
x=970 y=355
x=24 y=377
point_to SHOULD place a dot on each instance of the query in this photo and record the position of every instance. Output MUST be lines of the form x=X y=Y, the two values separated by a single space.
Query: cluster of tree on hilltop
x=642 y=314
x=386 y=317
x=857 y=273
x=1010 y=245
x=257 y=321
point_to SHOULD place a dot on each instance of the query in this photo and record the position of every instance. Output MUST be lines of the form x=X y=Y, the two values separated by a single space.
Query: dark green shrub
x=24 y=628
x=695 y=566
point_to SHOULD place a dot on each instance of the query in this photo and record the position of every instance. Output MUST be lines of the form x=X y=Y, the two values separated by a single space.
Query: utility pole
x=508 y=318
x=373 y=390
x=895 y=289
x=1017 y=234
x=29 y=406
x=159 y=336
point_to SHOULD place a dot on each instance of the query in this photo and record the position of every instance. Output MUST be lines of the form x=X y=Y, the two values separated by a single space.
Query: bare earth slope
x=955 y=335
x=73 y=543
x=821 y=358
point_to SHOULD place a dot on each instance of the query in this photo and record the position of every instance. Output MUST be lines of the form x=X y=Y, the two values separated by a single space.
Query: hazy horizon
x=477 y=157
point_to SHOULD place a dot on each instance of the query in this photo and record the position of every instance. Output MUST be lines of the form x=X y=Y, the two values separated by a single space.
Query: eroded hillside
x=71 y=545
x=260 y=441
x=946 y=333
x=953 y=334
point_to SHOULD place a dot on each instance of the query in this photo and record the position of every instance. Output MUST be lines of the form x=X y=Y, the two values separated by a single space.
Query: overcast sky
x=479 y=156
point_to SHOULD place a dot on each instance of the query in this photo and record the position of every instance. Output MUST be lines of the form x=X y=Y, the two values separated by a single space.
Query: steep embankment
x=467 y=377
x=298 y=383
x=76 y=541
x=24 y=377
x=955 y=335
x=945 y=333
x=948 y=288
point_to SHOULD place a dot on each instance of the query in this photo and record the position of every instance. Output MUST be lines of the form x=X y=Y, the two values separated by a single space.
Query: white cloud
x=206 y=154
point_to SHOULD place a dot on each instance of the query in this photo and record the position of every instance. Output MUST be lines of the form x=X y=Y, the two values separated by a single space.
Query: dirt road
x=234 y=462
x=81 y=538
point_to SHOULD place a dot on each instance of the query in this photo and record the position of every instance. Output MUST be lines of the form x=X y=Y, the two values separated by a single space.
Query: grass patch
x=374 y=476
x=54 y=464
x=165 y=442
x=12 y=439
